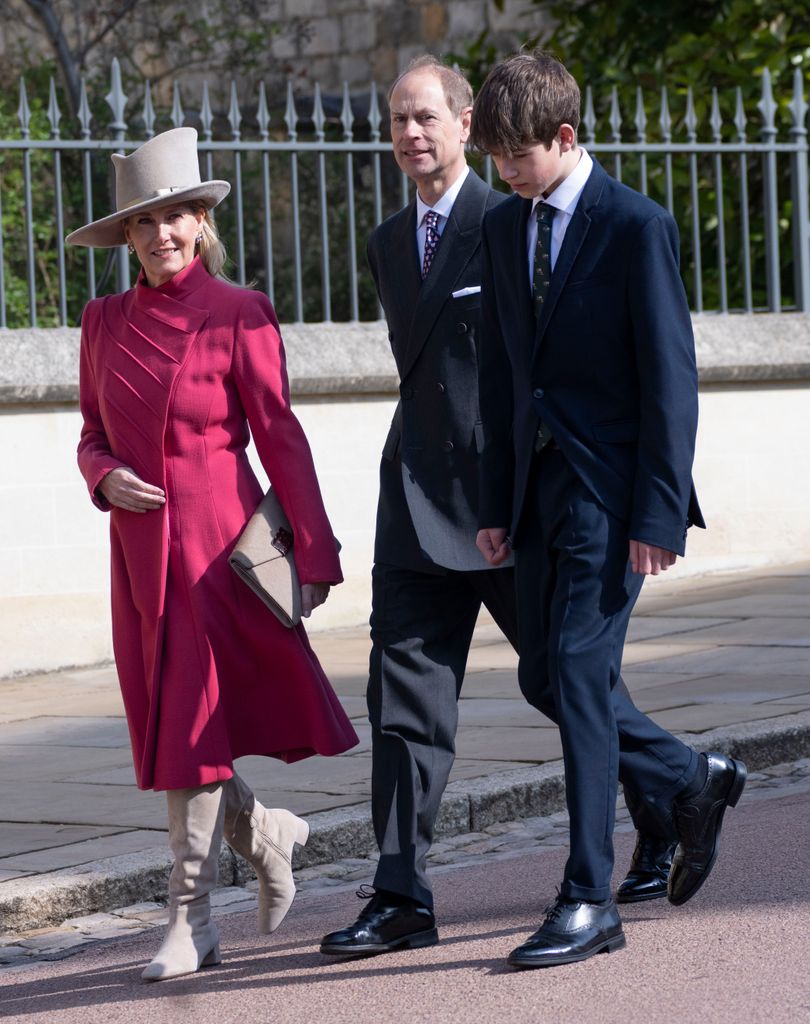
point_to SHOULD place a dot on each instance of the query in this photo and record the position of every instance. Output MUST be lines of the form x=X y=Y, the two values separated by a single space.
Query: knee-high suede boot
x=196 y=819
x=265 y=838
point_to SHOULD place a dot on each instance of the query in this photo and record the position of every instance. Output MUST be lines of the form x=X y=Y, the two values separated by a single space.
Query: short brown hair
x=457 y=90
x=523 y=101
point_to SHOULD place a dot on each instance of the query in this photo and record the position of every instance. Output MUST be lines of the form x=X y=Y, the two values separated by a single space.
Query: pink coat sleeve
x=94 y=455
x=260 y=373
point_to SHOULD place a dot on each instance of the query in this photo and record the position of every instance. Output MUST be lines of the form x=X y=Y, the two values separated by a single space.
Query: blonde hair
x=210 y=248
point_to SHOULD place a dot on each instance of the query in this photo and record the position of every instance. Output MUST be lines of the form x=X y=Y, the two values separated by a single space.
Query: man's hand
x=125 y=489
x=648 y=560
x=494 y=545
x=313 y=594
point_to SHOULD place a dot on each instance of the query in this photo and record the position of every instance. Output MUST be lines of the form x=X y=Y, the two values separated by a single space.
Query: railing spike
x=716 y=118
x=234 y=113
x=148 y=112
x=740 y=120
x=589 y=117
x=767 y=106
x=291 y=114
x=346 y=114
x=54 y=113
x=615 y=119
x=374 y=116
x=116 y=98
x=665 y=120
x=263 y=113
x=85 y=116
x=798 y=105
x=691 y=118
x=24 y=111
x=318 y=117
x=178 y=115
x=641 y=116
x=206 y=113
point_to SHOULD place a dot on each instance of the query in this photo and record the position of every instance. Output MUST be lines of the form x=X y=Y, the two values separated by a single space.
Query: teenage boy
x=588 y=395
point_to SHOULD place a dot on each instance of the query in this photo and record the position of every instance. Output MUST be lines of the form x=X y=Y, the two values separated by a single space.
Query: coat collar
x=575 y=236
x=460 y=239
x=170 y=303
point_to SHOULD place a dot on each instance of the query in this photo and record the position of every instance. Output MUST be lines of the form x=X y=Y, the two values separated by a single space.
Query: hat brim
x=109 y=231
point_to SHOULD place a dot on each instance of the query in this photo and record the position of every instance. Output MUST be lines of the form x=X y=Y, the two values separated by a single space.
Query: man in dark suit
x=588 y=391
x=429 y=581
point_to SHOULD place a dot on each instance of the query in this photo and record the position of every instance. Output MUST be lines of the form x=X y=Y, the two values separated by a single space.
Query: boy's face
x=428 y=138
x=536 y=170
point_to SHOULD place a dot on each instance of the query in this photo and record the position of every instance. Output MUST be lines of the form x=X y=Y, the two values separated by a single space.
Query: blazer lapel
x=459 y=240
x=575 y=236
x=402 y=269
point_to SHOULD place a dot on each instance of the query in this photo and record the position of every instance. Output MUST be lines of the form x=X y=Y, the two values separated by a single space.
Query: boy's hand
x=648 y=560
x=494 y=545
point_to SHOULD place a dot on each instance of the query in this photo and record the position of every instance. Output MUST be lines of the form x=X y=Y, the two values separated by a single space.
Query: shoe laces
x=554 y=910
x=366 y=892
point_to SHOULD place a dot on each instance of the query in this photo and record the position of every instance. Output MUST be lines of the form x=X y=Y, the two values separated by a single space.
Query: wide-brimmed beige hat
x=162 y=170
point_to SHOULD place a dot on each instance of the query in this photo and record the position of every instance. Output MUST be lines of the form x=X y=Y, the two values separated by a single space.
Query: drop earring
x=199 y=238
x=131 y=248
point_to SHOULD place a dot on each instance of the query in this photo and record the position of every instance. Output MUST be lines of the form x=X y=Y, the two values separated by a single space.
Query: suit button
x=440 y=388
x=538 y=393
x=461 y=328
x=447 y=446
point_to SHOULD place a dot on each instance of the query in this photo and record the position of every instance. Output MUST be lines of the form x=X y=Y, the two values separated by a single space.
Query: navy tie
x=431 y=240
x=542 y=256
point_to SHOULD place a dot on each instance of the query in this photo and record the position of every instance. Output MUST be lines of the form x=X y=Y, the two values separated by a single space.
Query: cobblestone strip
x=506 y=839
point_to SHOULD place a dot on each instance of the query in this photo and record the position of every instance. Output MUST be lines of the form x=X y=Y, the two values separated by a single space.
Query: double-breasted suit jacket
x=429 y=472
x=429 y=579
x=173 y=381
x=609 y=367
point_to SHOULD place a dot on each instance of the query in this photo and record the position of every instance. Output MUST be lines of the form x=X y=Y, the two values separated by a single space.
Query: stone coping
x=41 y=365
x=469 y=805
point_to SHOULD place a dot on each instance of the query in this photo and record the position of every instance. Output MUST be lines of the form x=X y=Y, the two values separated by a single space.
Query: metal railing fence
x=306 y=196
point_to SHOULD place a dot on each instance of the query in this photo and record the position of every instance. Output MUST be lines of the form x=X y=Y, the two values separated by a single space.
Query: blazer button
x=447 y=446
x=461 y=328
x=538 y=393
x=440 y=387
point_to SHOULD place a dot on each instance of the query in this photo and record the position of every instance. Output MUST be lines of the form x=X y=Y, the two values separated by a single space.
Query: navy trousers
x=575 y=593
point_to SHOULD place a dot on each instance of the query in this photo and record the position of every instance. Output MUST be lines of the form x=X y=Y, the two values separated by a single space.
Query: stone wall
x=752 y=469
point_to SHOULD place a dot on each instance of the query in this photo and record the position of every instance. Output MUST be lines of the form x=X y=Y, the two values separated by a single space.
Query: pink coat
x=171 y=377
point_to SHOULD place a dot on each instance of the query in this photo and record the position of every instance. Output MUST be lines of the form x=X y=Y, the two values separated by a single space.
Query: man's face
x=533 y=170
x=428 y=139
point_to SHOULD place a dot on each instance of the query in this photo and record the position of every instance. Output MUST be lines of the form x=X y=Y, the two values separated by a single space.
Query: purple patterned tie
x=432 y=236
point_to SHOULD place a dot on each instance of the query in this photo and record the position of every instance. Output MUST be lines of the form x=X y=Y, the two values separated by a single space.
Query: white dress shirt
x=443 y=207
x=564 y=199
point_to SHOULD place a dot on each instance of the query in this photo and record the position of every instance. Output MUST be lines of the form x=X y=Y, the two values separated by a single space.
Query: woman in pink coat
x=176 y=374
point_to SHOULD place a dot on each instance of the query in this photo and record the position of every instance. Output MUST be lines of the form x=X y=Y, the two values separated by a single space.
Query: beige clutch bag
x=263 y=558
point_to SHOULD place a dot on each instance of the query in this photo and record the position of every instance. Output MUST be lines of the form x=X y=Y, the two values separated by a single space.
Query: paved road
x=737 y=952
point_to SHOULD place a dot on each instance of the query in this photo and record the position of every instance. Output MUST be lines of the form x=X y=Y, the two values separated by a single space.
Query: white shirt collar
x=444 y=205
x=566 y=195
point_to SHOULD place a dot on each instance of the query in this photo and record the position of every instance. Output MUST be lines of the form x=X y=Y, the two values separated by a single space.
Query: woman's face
x=164 y=240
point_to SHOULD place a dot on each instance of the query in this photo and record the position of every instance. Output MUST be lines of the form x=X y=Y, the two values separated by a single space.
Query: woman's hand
x=313 y=594
x=125 y=489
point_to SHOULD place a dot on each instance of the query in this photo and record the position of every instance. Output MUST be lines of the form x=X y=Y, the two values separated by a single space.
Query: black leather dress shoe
x=384 y=925
x=649 y=869
x=571 y=931
x=698 y=820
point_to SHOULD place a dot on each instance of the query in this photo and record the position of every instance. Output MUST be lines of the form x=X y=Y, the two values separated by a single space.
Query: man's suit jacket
x=427 y=512
x=609 y=367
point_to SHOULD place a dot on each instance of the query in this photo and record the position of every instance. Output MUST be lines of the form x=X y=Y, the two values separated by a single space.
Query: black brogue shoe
x=387 y=923
x=572 y=931
x=698 y=820
x=648 y=874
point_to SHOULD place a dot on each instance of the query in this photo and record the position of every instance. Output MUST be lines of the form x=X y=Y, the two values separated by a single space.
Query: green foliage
x=716 y=44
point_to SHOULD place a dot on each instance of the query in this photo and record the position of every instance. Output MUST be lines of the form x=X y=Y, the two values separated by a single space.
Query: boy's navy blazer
x=428 y=508
x=609 y=367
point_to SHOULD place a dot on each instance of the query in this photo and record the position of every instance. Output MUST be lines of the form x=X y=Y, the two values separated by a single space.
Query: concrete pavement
x=736 y=952
x=724 y=661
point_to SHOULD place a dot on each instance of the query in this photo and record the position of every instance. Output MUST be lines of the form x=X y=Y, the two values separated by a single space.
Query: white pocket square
x=473 y=289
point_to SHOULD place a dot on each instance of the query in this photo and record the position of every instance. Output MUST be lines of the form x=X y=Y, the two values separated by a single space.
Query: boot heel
x=738 y=785
x=213 y=958
x=301 y=831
